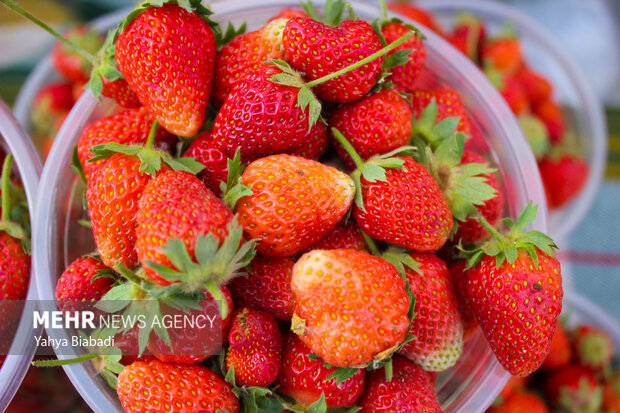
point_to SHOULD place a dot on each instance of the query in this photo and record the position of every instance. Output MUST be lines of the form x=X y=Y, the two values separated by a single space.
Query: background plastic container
x=583 y=111
x=468 y=387
x=25 y=158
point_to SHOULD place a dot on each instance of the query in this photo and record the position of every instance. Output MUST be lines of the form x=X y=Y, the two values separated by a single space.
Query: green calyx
x=15 y=215
x=464 y=186
x=583 y=399
x=333 y=12
x=191 y=6
x=372 y=170
x=427 y=129
x=506 y=247
x=151 y=159
x=223 y=37
x=252 y=399
x=105 y=66
x=234 y=189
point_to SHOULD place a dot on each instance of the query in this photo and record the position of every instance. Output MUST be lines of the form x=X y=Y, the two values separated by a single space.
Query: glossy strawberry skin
x=409 y=391
x=304 y=379
x=156 y=387
x=317 y=50
x=343 y=236
x=244 y=54
x=420 y=223
x=561 y=353
x=266 y=287
x=206 y=151
x=255 y=348
x=260 y=117
x=517 y=307
x=176 y=204
x=563 y=177
x=76 y=283
x=130 y=126
x=113 y=192
x=15 y=265
x=448 y=102
x=295 y=202
x=120 y=91
x=174 y=82
x=460 y=278
x=437 y=324
x=470 y=230
x=314 y=144
x=403 y=76
x=374 y=125
x=365 y=298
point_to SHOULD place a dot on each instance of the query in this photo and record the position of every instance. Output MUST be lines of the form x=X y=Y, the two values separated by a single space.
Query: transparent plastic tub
x=583 y=111
x=25 y=158
x=478 y=377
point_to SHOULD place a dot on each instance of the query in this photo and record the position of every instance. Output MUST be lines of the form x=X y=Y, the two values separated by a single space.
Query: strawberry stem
x=17 y=9
x=372 y=246
x=6 y=197
x=55 y=363
x=151 y=138
x=490 y=228
x=362 y=62
x=348 y=147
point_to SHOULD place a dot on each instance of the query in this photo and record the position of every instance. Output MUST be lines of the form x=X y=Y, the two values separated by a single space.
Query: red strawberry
x=593 y=347
x=130 y=126
x=437 y=325
x=536 y=87
x=468 y=35
x=205 y=150
x=113 y=192
x=366 y=301
x=314 y=144
x=376 y=124
x=294 y=202
x=194 y=344
x=255 y=348
x=260 y=117
x=50 y=103
x=503 y=54
x=316 y=49
x=515 y=95
x=560 y=354
x=404 y=76
x=470 y=230
x=154 y=386
x=120 y=92
x=516 y=294
x=266 y=286
x=410 y=390
x=513 y=385
x=574 y=389
x=417 y=15
x=70 y=63
x=304 y=379
x=176 y=205
x=611 y=393
x=244 y=54
x=460 y=278
x=76 y=282
x=521 y=402
x=343 y=236
x=564 y=177
x=448 y=105
x=15 y=265
x=551 y=115
x=167 y=55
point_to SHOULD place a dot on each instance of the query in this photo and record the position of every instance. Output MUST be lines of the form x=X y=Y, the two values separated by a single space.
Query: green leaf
x=76 y=166
x=342 y=374
x=377 y=24
x=235 y=189
x=115 y=299
x=319 y=406
x=446 y=127
x=150 y=161
x=106 y=150
x=527 y=216
x=400 y=258
x=222 y=38
x=396 y=59
x=186 y=164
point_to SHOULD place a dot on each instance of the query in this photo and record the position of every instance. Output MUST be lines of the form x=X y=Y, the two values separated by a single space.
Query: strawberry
x=574 y=389
x=514 y=93
x=536 y=133
x=377 y=123
x=255 y=348
x=409 y=390
x=266 y=286
x=404 y=76
x=563 y=176
x=305 y=379
x=205 y=150
x=417 y=15
x=292 y=203
x=611 y=393
x=515 y=292
x=593 y=347
x=468 y=35
x=536 y=87
x=155 y=386
x=513 y=385
x=120 y=92
x=70 y=63
x=314 y=143
x=78 y=282
x=343 y=236
x=551 y=115
x=318 y=49
x=365 y=298
x=437 y=325
x=244 y=54
x=167 y=55
x=503 y=53
x=561 y=353
x=448 y=105
x=470 y=230
x=460 y=278
x=130 y=126
x=15 y=264
x=521 y=402
x=50 y=103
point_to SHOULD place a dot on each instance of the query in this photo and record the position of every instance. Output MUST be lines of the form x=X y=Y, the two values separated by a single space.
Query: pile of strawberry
x=344 y=277
x=528 y=93
x=578 y=376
